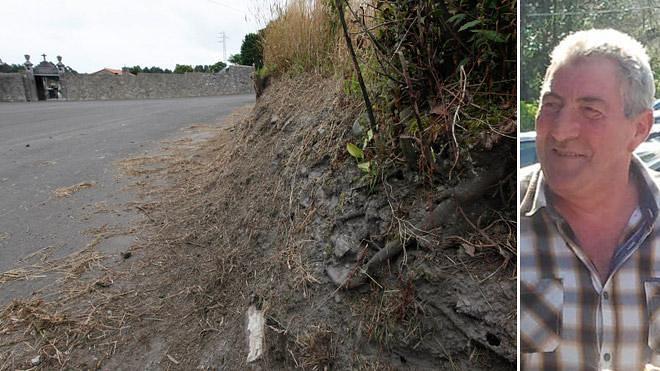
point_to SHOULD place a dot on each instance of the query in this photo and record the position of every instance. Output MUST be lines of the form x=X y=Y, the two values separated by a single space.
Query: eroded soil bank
x=268 y=211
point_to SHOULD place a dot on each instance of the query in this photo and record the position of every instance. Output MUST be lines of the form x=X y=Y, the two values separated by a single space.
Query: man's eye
x=552 y=106
x=591 y=112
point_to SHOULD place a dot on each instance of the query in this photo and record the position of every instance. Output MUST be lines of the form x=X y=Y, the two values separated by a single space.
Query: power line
x=226 y=6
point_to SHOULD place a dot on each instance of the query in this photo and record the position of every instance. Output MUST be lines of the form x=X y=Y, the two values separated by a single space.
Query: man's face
x=584 y=140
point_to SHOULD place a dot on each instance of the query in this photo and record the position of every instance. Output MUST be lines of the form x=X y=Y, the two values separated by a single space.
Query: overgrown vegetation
x=303 y=38
x=441 y=79
x=441 y=75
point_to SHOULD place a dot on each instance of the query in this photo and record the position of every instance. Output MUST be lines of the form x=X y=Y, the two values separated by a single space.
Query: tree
x=544 y=23
x=215 y=68
x=135 y=70
x=251 y=51
x=153 y=69
x=8 y=68
x=183 y=68
x=235 y=58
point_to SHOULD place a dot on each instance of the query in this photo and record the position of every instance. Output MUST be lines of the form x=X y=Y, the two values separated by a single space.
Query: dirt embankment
x=272 y=214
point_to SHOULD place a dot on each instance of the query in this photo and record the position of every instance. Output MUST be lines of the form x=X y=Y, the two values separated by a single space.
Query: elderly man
x=589 y=228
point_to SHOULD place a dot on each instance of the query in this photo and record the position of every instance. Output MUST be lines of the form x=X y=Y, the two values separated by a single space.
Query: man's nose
x=566 y=126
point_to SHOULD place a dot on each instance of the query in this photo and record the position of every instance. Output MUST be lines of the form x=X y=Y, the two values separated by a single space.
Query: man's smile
x=567 y=153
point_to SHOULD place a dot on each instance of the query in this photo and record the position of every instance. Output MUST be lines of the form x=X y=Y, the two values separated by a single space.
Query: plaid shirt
x=570 y=320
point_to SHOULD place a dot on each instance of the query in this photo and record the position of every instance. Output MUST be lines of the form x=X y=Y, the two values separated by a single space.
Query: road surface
x=48 y=145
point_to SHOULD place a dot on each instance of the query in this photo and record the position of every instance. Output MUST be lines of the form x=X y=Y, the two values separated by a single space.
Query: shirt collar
x=534 y=198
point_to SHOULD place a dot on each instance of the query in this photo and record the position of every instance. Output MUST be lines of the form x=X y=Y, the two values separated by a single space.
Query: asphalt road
x=48 y=145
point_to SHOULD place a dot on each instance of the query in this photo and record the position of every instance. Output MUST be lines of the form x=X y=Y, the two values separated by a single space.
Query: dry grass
x=70 y=266
x=303 y=37
x=317 y=348
x=34 y=314
x=390 y=315
x=87 y=305
x=68 y=191
x=77 y=306
x=47 y=332
x=143 y=165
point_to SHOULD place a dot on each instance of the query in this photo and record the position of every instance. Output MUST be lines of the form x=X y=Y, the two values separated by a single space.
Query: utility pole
x=223 y=40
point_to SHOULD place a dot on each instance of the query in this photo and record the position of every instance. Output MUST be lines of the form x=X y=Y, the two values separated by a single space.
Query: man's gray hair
x=626 y=52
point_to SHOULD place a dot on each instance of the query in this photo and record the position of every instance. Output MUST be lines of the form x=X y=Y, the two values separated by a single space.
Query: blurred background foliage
x=543 y=23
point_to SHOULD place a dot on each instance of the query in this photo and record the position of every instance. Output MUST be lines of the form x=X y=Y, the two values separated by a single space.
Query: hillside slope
x=271 y=213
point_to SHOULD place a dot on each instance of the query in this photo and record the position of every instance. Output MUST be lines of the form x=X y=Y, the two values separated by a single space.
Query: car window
x=527 y=153
x=655 y=166
x=646 y=156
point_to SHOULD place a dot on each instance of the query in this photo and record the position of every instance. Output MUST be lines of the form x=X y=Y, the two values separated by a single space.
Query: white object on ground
x=255 y=330
x=36 y=360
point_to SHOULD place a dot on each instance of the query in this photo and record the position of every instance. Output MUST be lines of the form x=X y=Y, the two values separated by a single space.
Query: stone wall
x=12 y=88
x=233 y=80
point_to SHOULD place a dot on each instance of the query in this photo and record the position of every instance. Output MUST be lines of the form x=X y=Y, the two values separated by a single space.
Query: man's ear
x=643 y=123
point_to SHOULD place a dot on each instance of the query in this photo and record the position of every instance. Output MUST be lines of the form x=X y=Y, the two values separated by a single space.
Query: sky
x=91 y=35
